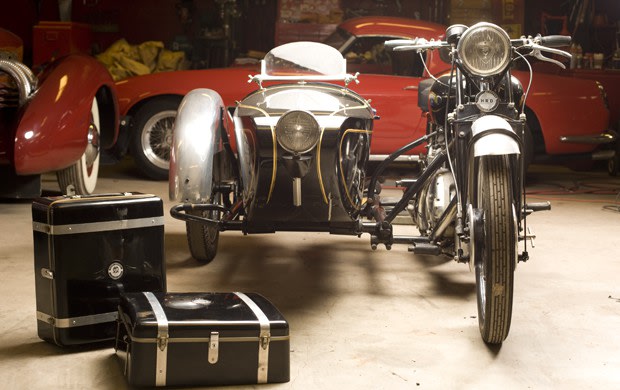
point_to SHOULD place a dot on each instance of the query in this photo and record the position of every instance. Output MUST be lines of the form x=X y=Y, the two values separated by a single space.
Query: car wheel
x=81 y=177
x=151 y=137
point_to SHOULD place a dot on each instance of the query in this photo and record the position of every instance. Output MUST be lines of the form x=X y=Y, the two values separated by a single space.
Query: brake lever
x=537 y=53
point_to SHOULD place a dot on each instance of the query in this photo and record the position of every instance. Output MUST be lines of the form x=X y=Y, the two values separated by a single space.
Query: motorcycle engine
x=433 y=201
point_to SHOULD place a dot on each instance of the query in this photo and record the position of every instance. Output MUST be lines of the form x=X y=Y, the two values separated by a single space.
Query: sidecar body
x=291 y=157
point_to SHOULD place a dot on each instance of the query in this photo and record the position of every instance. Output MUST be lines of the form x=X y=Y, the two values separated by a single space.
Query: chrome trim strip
x=407 y=157
x=58 y=230
x=162 y=339
x=265 y=335
x=240 y=339
x=330 y=122
x=77 y=321
x=596 y=139
x=318 y=165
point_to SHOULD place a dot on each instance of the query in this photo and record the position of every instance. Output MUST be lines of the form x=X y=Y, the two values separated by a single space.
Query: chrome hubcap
x=92 y=147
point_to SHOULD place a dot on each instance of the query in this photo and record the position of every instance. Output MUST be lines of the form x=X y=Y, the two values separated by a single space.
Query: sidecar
x=291 y=157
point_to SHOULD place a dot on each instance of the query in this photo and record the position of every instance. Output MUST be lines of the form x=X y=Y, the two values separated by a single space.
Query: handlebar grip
x=555 y=40
x=400 y=42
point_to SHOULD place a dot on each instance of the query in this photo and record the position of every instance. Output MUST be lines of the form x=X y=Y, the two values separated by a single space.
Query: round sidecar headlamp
x=297 y=131
x=485 y=49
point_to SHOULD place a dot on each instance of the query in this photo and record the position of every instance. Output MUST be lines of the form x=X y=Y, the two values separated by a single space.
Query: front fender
x=197 y=138
x=493 y=143
x=53 y=128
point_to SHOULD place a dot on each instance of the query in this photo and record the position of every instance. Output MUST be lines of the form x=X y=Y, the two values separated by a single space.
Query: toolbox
x=87 y=251
x=201 y=339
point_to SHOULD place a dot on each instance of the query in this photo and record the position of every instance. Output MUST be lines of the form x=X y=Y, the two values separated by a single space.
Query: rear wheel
x=81 y=177
x=151 y=138
x=495 y=252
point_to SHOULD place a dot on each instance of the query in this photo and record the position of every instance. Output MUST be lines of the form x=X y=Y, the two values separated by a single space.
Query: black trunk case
x=200 y=339
x=87 y=251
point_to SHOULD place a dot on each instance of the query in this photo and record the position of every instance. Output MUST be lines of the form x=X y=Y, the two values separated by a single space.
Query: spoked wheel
x=495 y=252
x=203 y=237
x=151 y=139
x=81 y=177
x=353 y=160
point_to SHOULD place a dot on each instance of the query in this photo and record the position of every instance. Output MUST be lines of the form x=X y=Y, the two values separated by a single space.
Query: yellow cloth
x=125 y=60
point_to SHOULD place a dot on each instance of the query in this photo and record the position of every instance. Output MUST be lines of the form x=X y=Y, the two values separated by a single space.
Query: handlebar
x=536 y=45
x=419 y=44
x=555 y=40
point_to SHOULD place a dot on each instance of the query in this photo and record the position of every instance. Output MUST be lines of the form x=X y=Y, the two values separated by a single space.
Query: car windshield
x=304 y=58
x=337 y=39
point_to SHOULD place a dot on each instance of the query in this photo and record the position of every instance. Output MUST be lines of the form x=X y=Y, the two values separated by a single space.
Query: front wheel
x=496 y=251
x=81 y=177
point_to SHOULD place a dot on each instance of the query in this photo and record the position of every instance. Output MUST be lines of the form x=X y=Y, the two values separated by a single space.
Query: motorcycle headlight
x=297 y=131
x=485 y=49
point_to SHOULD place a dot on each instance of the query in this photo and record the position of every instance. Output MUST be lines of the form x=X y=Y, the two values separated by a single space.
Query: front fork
x=469 y=222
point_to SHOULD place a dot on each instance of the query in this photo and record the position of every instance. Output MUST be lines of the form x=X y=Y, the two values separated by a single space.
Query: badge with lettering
x=487 y=101
x=115 y=270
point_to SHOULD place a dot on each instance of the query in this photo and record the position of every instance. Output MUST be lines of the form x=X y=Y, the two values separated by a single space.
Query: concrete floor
x=370 y=320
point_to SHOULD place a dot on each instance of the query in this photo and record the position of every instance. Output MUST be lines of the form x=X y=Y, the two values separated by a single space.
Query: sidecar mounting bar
x=391 y=158
x=181 y=211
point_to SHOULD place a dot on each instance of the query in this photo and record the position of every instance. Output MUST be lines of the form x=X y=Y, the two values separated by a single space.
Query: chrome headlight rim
x=311 y=128
x=465 y=45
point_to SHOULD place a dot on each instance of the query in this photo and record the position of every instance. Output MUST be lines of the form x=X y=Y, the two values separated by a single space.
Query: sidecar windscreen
x=304 y=61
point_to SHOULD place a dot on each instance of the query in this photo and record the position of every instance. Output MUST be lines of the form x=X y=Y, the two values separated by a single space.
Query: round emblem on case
x=487 y=101
x=115 y=270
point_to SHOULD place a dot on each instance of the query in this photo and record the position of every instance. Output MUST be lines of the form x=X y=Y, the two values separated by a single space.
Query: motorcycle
x=297 y=159
x=469 y=201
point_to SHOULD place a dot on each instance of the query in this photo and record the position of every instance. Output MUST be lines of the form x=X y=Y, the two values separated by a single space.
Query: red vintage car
x=566 y=116
x=57 y=121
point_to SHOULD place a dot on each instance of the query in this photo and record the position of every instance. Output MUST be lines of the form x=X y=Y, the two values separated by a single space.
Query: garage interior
x=359 y=319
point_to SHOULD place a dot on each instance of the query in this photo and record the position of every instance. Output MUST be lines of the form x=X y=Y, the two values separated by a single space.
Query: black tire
x=151 y=136
x=613 y=164
x=528 y=145
x=81 y=177
x=497 y=253
x=203 y=238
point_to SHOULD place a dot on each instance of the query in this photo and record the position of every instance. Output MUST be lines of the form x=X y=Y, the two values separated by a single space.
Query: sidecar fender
x=196 y=140
x=493 y=143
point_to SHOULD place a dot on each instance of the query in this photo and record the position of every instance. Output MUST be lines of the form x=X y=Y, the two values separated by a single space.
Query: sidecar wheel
x=203 y=238
x=151 y=137
x=81 y=177
x=496 y=252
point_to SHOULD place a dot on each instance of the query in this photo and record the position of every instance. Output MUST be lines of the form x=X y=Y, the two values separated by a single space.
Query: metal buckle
x=214 y=347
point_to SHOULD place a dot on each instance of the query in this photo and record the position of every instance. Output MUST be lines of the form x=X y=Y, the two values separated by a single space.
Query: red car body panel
x=52 y=131
x=566 y=107
x=231 y=83
x=563 y=106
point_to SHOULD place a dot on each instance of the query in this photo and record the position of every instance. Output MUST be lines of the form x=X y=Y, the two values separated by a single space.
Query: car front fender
x=53 y=127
